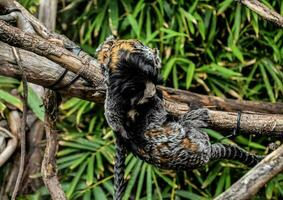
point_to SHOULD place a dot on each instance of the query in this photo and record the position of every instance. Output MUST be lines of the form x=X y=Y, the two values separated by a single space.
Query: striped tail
x=119 y=169
x=224 y=151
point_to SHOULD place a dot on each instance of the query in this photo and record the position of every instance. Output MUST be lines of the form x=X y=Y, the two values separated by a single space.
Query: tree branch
x=263 y=11
x=249 y=184
x=49 y=169
x=250 y=123
x=10 y=146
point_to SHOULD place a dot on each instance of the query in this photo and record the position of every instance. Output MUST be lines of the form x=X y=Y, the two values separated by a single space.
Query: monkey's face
x=133 y=71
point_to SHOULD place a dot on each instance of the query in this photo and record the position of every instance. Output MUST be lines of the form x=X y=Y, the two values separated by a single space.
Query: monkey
x=134 y=109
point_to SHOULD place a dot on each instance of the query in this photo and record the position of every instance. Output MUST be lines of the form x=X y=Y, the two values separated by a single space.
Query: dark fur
x=151 y=134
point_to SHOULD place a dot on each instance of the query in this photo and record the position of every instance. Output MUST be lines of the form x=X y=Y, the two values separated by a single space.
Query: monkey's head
x=132 y=69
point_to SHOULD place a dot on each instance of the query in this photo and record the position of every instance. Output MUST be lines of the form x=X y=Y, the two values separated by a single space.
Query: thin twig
x=23 y=125
x=10 y=148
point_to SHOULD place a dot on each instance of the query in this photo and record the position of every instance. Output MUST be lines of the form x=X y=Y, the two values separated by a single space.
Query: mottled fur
x=145 y=127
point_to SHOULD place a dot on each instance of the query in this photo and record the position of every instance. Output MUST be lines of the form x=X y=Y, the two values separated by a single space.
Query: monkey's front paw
x=196 y=118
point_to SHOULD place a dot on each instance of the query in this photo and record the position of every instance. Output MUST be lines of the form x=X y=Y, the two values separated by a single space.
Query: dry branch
x=250 y=183
x=263 y=11
x=10 y=146
x=252 y=123
x=23 y=124
x=47 y=14
x=49 y=169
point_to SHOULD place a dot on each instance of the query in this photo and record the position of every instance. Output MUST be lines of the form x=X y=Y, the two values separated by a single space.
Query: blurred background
x=211 y=47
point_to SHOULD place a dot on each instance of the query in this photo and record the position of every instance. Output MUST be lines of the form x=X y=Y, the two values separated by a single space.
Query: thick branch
x=263 y=11
x=249 y=122
x=57 y=54
x=217 y=103
x=249 y=184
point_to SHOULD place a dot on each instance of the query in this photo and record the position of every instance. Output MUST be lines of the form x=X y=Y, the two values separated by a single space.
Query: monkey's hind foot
x=223 y=151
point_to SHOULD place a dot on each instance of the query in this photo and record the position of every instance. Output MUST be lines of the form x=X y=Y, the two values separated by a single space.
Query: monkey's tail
x=224 y=151
x=119 y=169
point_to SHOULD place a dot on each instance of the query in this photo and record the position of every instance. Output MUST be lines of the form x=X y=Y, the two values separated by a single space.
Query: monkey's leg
x=119 y=169
x=224 y=151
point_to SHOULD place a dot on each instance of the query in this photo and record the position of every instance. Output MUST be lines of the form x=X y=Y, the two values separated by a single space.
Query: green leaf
x=267 y=84
x=130 y=166
x=188 y=195
x=175 y=78
x=134 y=25
x=81 y=110
x=70 y=158
x=190 y=75
x=148 y=183
x=269 y=190
x=99 y=193
x=132 y=180
x=168 y=68
x=70 y=103
x=87 y=195
x=77 y=162
x=223 y=6
x=242 y=140
x=7 y=97
x=211 y=176
x=140 y=182
x=75 y=181
x=90 y=170
x=237 y=24
x=2 y=108
x=236 y=51
x=221 y=182
x=36 y=104
x=165 y=178
x=113 y=16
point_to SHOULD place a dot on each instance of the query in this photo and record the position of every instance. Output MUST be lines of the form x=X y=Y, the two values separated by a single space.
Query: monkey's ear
x=103 y=50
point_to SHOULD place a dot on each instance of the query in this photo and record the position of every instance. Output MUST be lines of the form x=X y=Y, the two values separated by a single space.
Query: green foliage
x=212 y=47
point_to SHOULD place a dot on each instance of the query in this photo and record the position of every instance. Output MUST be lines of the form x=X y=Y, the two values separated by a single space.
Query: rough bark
x=253 y=123
x=52 y=51
x=49 y=168
x=263 y=11
x=250 y=183
x=42 y=71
